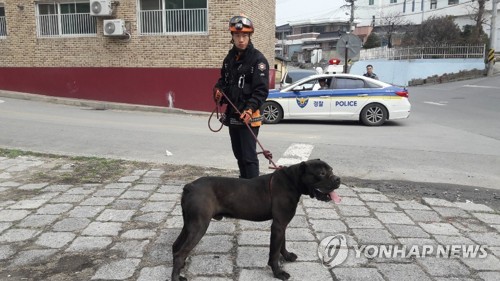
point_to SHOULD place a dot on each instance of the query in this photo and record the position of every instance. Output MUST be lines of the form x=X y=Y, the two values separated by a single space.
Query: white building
x=373 y=12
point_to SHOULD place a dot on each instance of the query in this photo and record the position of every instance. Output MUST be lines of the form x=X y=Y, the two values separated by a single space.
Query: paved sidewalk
x=124 y=230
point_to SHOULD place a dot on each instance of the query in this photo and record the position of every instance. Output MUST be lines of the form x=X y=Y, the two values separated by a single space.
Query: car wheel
x=374 y=114
x=271 y=112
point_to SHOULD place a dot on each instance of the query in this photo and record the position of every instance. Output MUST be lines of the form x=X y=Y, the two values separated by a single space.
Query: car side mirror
x=288 y=79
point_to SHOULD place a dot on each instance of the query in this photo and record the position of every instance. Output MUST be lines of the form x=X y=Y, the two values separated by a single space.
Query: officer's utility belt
x=256 y=120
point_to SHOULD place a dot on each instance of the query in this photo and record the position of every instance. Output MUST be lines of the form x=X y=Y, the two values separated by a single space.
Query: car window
x=348 y=83
x=370 y=84
x=296 y=76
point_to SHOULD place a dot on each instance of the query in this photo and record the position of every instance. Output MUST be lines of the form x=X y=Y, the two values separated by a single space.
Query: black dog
x=273 y=196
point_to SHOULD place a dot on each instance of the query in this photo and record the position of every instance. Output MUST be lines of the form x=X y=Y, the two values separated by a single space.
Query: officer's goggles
x=240 y=22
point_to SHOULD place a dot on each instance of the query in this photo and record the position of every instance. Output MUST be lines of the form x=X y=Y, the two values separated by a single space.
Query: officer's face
x=241 y=40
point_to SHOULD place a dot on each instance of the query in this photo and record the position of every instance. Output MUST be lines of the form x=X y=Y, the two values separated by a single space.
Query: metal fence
x=3 y=27
x=59 y=25
x=424 y=52
x=173 y=21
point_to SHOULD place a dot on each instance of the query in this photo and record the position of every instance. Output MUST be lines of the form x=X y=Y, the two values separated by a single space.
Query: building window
x=394 y=1
x=452 y=2
x=433 y=4
x=371 y=2
x=404 y=6
x=413 y=6
x=62 y=19
x=3 y=24
x=173 y=17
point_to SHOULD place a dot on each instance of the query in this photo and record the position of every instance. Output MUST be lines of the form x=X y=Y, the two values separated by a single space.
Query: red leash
x=266 y=153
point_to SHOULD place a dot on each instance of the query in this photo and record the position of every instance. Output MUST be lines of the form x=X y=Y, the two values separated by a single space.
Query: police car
x=341 y=97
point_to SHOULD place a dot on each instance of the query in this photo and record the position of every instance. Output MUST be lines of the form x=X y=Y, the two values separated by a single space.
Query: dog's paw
x=181 y=278
x=282 y=275
x=290 y=256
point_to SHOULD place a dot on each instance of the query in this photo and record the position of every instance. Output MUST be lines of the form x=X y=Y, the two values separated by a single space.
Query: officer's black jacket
x=252 y=68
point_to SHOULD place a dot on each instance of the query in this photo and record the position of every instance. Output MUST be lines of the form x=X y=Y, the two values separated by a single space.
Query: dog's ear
x=303 y=167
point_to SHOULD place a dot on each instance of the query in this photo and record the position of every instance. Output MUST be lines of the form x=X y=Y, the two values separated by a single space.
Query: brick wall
x=22 y=48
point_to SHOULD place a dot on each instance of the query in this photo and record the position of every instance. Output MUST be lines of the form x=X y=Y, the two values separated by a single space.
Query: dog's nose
x=336 y=180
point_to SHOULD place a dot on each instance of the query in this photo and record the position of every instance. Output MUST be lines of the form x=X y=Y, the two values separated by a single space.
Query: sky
x=291 y=10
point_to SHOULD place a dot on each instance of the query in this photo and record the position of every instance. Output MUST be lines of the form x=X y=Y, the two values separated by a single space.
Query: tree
x=372 y=41
x=476 y=34
x=390 y=23
x=434 y=31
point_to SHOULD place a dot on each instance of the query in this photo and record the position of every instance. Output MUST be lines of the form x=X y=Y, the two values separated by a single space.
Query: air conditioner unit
x=114 y=28
x=100 y=8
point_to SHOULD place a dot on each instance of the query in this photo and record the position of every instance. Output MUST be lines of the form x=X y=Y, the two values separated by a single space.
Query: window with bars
x=60 y=19
x=173 y=17
x=433 y=4
x=3 y=23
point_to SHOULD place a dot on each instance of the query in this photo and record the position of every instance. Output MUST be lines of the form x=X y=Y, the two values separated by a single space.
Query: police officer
x=245 y=81
x=369 y=72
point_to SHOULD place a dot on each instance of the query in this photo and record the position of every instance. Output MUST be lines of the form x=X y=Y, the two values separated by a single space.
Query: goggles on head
x=241 y=24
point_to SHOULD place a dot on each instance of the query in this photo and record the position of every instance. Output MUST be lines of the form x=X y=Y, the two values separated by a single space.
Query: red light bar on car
x=334 y=61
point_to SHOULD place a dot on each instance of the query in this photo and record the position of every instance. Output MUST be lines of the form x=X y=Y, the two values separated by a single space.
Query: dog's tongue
x=335 y=197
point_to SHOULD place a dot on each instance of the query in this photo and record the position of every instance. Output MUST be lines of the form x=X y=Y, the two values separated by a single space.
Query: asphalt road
x=452 y=138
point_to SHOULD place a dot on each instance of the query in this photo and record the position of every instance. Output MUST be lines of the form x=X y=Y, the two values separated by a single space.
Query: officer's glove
x=246 y=116
x=217 y=95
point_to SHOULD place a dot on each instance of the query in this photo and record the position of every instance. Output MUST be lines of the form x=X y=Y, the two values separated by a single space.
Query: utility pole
x=351 y=20
x=493 y=37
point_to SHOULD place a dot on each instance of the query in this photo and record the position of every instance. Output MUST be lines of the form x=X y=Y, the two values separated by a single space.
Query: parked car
x=294 y=75
x=347 y=97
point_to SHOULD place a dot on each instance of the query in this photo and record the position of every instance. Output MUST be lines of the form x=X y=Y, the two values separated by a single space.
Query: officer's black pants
x=245 y=150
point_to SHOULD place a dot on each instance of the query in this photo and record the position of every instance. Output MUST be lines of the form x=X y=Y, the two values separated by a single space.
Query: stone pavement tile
x=412 y=205
x=10 y=184
x=165 y=197
x=414 y=244
x=351 y=201
x=138 y=172
x=18 y=235
x=453 y=240
x=258 y=274
x=117 y=270
x=423 y=216
x=487 y=218
x=116 y=215
x=316 y=213
x=403 y=272
x=490 y=275
x=408 y=231
x=254 y=237
x=27 y=204
x=298 y=221
x=135 y=194
x=54 y=209
x=58 y=187
x=38 y=220
x=129 y=204
x=4 y=226
x=394 y=218
x=67 y=198
x=439 y=228
x=353 y=211
x=252 y=257
x=160 y=249
x=222 y=227
x=346 y=192
x=109 y=192
x=177 y=211
x=82 y=190
x=154 y=173
x=138 y=234
x=373 y=236
x=97 y=201
x=55 y=239
x=306 y=251
x=174 y=222
x=45 y=196
x=471 y=225
x=103 y=229
x=6 y=251
x=144 y=187
x=453 y=279
x=157 y=273
x=307 y=271
x=71 y=224
x=32 y=257
x=128 y=178
x=214 y=244
x=328 y=226
x=85 y=211
x=313 y=203
x=33 y=186
x=444 y=267
x=495 y=251
x=496 y=226
x=488 y=238
x=154 y=217
x=118 y=185
x=438 y=202
x=211 y=264
x=131 y=248
x=6 y=203
x=446 y=212
x=299 y=234
x=2 y=189
x=473 y=207
x=361 y=222
x=255 y=225
x=357 y=274
x=373 y=197
x=211 y=279
x=353 y=259
x=382 y=207
x=365 y=190
x=158 y=207
x=89 y=243
x=13 y=215
x=490 y=263
x=170 y=189
x=146 y=180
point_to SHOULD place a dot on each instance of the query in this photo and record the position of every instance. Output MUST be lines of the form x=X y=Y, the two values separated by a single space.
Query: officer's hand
x=217 y=94
x=246 y=116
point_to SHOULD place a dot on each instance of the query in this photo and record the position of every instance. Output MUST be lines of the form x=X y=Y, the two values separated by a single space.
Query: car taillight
x=403 y=94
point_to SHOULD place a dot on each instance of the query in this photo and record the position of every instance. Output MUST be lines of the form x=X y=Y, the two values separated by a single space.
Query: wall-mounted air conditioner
x=101 y=8
x=114 y=27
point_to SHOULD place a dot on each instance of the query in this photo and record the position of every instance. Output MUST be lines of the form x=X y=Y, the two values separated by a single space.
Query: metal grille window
x=173 y=17
x=3 y=23
x=65 y=20
x=433 y=4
